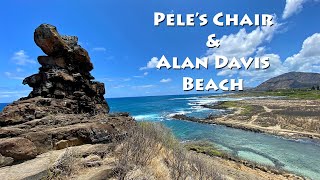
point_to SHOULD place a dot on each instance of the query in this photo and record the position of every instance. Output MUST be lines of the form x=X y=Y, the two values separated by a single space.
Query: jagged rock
x=64 y=79
x=70 y=40
x=65 y=108
x=52 y=61
x=64 y=130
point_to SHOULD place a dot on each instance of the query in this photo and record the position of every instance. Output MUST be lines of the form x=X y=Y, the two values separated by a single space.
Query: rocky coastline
x=278 y=116
x=63 y=129
x=65 y=107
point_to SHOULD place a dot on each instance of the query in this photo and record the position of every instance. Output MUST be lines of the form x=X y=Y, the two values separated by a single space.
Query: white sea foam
x=172 y=99
x=183 y=112
x=146 y=117
x=203 y=101
x=196 y=104
x=198 y=108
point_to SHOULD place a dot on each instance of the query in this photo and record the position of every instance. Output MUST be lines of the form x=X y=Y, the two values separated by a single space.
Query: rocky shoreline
x=63 y=128
x=251 y=115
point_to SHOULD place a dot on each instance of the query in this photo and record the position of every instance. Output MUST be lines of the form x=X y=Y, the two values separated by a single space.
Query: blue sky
x=120 y=38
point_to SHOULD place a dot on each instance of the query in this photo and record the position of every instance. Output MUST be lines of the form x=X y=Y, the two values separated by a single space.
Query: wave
x=183 y=112
x=146 y=117
x=203 y=101
x=187 y=98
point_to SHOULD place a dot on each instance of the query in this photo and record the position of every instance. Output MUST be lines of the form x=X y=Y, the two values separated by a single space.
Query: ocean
x=298 y=156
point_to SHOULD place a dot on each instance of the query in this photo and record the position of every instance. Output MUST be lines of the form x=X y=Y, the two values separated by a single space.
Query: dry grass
x=150 y=146
x=150 y=151
x=66 y=166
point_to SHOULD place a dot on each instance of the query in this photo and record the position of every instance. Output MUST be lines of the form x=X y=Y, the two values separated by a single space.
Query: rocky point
x=65 y=108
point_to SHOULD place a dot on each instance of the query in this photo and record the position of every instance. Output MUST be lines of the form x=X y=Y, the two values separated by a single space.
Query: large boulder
x=49 y=40
x=53 y=44
x=18 y=148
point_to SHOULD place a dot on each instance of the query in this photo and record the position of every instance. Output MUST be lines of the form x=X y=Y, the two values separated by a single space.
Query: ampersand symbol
x=211 y=43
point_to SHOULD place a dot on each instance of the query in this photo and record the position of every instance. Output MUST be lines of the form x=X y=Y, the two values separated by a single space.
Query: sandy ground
x=234 y=170
x=290 y=118
x=229 y=170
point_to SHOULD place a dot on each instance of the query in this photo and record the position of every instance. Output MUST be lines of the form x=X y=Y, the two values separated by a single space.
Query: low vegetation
x=151 y=144
x=204 y=148
x=288 y=110
x=245 y=109
x=288 y=93
x=295 y=94
x=65 y=167
x=150 y=151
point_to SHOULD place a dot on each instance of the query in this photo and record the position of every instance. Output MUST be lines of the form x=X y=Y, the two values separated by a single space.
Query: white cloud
x=109 y=57
x=138 y=76
x=21 y=58
x=4 y=96
x=294 y=7
x=258 y=75
x=226 y=72
x=9 y=95
x=107 y=79
x=243 y=43
x=165 y=80
x=308 y=59
x=144 y=74
x=14 y=92
x=13 y=76
x=143 y=86
x=118 y=86
x=19 y=69
x=151 y=64
x=99 y=49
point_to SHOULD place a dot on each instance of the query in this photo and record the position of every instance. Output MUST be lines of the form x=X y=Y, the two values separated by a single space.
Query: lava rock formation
x=62 y=85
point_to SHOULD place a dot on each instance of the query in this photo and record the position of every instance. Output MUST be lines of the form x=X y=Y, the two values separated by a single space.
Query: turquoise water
x=298 y=156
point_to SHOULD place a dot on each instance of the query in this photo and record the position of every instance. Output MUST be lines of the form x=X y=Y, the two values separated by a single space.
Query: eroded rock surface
x=62 y=85
x=65 y=108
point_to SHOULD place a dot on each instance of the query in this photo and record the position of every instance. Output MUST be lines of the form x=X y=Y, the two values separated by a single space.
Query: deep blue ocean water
x=298 y=156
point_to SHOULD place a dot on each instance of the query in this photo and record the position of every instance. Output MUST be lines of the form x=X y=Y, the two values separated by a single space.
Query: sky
x=124 y=45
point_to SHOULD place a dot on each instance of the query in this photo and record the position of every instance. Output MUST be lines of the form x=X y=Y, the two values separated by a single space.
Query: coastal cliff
x=65 y=107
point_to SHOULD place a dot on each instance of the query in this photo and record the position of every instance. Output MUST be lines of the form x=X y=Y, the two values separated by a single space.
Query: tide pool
x=298 y=156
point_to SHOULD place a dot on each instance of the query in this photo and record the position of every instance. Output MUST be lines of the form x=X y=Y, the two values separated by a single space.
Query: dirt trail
x=289 y=118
